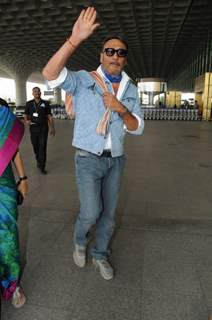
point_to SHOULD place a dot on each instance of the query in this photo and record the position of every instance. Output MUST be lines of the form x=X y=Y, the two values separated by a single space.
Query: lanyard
x=37 y=106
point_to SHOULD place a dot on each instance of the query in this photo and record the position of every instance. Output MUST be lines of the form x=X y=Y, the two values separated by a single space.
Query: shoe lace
x=81 y=251
x=105 y=264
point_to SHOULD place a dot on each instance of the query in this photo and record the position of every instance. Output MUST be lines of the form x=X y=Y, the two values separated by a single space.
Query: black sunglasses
x=120 y=52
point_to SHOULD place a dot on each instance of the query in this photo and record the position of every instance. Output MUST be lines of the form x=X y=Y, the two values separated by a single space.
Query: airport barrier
x=170 y=114
x=59 y=112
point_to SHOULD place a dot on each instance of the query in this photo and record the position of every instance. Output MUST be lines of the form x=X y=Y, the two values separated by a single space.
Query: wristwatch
x=125 y=112
x=22 y=178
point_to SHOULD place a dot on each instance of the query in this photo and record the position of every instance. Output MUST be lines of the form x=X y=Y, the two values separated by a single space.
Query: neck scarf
x=113 y=79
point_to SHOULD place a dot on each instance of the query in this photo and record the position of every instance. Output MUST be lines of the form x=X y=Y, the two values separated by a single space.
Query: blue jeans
x=98 y=182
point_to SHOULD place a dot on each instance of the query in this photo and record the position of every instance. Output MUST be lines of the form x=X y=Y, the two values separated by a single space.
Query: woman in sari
x=11 y=133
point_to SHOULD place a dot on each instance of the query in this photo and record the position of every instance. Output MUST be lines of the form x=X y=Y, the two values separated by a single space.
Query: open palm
x=85 y=24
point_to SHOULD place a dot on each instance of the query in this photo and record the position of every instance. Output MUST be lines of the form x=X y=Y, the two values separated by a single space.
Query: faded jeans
x=98 y=181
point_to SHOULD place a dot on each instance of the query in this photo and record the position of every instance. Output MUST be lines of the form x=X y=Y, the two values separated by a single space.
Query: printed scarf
x=103 y=125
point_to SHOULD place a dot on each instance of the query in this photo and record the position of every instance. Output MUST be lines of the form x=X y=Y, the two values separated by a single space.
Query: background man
x=102 y=118
x=38 y=117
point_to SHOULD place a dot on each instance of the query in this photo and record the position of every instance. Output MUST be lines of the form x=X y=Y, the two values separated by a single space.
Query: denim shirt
x=89 y=109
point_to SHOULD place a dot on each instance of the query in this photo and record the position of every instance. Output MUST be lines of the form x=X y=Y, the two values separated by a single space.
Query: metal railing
x=170 y=114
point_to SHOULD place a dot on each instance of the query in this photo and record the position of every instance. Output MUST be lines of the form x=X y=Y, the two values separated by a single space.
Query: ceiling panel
x=161 y=33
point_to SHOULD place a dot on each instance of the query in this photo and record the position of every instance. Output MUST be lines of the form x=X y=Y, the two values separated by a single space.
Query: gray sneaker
x=79 y=256
x=104 y=267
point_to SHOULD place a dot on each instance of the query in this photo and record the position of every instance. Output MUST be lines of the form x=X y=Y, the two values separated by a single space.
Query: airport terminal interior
x=161 y=249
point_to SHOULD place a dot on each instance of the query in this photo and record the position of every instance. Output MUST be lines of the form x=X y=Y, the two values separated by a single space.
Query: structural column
x=57 y=96
x=174 y=98
x=151 y=98
x=207 y=97
x=20 y=83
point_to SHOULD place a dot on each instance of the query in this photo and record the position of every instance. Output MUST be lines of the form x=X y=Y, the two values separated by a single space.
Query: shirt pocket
x=129 y=102
x=95 y=90
x=92 y=101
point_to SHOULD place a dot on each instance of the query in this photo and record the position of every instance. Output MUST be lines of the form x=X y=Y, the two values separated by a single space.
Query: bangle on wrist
x=71 y=43
x=22 y=178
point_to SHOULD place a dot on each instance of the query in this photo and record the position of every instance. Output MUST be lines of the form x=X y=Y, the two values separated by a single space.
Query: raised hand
x=84 y=26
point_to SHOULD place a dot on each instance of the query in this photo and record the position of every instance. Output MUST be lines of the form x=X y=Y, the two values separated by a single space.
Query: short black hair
x=115 y=37
x=35 y=88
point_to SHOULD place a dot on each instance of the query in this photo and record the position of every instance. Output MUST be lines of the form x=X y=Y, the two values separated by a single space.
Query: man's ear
x=101 y=57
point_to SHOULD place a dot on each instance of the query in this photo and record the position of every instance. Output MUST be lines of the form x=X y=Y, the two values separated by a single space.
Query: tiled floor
x=161 y=250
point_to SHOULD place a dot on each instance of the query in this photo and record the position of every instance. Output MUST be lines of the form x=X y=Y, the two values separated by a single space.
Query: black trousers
x=39 y=136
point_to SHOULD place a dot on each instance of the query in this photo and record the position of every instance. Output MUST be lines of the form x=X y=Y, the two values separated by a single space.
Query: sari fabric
x=11 y=132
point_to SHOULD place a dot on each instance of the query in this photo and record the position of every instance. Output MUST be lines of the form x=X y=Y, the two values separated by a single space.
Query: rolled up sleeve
x=67 y=80
x=59 y=80
x=140 y=128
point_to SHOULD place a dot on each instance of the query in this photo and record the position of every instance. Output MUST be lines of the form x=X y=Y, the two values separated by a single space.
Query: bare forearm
x=51 y=125
x=50 y=122
x=22 y=184
x=59 y=60
x=19 y=165
x=26 y=119
x=129 y=120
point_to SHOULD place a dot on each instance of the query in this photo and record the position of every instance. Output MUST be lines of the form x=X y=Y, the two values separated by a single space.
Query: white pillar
x=20 y=83
x=57 y=96
x=151 y=98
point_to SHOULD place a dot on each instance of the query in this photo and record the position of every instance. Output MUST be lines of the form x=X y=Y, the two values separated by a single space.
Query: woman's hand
x=23 y=187
x=84 y=26
x=52 y=132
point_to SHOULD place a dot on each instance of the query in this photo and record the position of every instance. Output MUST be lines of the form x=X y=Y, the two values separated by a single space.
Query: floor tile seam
x=55 y=236
x=32 y=270
x=121 y=313
x=169 y=270
x=91 y=271
x=59 y=256
x=178 y=292
x=47 y=248
x=36 y=207
x=164 y=230
x=203 y=265
x=53 y=209
x=44 y=220
x=172 y=222
x=172 y=273
x=106 y=315
x=142 y=292
x=49 y=308
x=75 y=307
x=201 y=286
x=138 y=258
x=114 y=286
x=50 y=221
